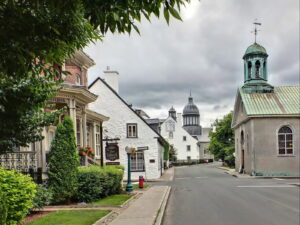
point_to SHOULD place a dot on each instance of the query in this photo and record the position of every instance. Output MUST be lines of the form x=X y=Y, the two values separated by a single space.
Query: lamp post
x=129 y=187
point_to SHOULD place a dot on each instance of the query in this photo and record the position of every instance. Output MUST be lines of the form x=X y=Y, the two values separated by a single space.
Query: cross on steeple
x=255 y=29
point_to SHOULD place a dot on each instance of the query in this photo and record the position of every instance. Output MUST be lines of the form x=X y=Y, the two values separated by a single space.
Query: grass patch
x=136 y=186
x=71 y=217
x=113 y=200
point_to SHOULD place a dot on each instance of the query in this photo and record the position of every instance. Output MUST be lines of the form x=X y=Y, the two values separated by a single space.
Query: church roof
x=190 y=108
x=255 y=49
x=284 y=101
x=193 y=130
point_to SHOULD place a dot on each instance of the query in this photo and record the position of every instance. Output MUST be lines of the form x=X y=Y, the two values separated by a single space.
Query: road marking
x=266 y=186
x=200 y=177
x=181 y=178
x=278 y=179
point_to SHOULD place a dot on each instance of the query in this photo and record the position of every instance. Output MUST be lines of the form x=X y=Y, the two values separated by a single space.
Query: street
x=206 y=195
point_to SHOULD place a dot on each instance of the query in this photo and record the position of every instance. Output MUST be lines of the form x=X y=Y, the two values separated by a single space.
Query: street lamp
x=129 y=150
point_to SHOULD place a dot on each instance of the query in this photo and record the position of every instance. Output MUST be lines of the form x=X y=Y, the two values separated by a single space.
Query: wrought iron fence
x=24 y=161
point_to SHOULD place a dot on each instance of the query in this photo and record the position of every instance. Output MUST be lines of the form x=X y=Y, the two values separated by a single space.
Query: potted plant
x=82 y=151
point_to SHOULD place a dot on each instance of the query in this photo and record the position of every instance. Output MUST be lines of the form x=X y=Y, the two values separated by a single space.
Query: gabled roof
x=284 y=101
x=160 y=138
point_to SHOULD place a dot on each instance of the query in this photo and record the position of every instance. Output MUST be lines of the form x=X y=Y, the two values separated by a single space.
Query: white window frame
x=184 y=138
x=188 y=148
x=98 y=141
x=137 y=162
x=285 y=142
x=132 y=130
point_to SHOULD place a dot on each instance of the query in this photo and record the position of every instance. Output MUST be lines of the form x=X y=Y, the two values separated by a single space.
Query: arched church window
x=249 y=70
x=285 y=141
x=257 y=67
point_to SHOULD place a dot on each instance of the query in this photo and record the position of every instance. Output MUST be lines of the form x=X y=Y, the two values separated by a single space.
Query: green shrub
x=3 y=209
x=42 y=198
x=18 y=191
x=63 y=163
x=95 y=182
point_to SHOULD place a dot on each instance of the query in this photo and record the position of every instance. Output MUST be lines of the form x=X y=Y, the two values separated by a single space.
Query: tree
x=63 y=163
x=222 y=140
x=37 y=36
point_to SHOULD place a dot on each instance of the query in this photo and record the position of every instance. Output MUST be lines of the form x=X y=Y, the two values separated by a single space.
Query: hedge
x=95 y=182
x=17 y=193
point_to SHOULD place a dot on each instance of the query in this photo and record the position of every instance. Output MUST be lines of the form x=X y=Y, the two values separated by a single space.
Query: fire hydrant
x=141 y=182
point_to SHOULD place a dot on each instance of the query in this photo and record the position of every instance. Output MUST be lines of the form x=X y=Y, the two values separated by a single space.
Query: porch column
x=94 y=136
x=72 y=113
x=84 y=133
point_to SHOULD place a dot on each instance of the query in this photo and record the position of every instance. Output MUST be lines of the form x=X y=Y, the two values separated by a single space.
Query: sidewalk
x=144 y=210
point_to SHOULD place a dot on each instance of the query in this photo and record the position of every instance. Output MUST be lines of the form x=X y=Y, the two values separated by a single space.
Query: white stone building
x=128 y=126
x=186 y=146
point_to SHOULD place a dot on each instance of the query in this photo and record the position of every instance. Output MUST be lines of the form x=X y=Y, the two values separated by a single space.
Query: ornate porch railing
x=24 y=161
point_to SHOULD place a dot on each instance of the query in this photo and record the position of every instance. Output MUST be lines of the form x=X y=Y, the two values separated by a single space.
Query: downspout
x=101 y=144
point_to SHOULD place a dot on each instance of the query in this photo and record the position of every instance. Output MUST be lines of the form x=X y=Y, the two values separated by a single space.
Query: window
x=132 y=130
x=285 y=141
x=170 y=135
x=188 y=148
x=77 y=79
x=249 y=70
x=137 y=162
x=184 y=138
x=170 y=126
x=98 y=140
x=189 y=158
x=257 y=67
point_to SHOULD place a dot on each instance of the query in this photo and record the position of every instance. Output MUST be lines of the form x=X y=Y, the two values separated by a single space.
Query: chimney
x=112 y=79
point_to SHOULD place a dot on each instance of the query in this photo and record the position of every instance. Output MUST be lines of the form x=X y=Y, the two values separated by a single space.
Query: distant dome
x=190 y=108
x=172 y=109
x=255 y=49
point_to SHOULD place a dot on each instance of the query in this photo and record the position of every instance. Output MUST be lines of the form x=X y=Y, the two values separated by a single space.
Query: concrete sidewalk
x=144 y=210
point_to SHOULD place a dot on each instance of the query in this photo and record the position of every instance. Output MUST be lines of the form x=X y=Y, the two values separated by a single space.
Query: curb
x=106 y=219
x=136 y=196
x=161 y=210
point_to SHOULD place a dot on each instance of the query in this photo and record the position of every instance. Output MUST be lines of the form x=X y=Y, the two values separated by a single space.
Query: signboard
x=112 y=163
x=142 y=148
x=112 y=151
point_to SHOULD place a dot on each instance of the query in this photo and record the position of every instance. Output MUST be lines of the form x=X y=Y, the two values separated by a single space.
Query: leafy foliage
x=17 y=193
x=222 y=140
x=166 y=150
x=37 y=36
x=42 y=198
x=63 y=163
x=95 y=182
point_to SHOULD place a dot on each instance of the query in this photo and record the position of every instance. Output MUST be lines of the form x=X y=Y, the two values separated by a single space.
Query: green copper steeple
x=255 y=70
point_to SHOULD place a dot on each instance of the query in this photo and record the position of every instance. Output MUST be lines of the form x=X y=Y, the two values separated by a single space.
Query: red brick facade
x=78 y=75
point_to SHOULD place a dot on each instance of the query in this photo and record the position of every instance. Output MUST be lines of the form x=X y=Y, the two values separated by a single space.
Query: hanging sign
x=112 y=151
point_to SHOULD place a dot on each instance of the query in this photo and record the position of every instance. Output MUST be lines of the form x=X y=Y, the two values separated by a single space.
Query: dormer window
x=257 y=67
x=78 y=79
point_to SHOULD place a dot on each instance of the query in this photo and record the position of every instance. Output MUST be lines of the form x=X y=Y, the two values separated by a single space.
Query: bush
x=95 y=182
x=42 y=198
x=18 y=191
x=63 y=163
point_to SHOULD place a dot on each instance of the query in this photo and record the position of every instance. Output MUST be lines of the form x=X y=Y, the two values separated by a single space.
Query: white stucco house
x=186 y=146
x=129 y=127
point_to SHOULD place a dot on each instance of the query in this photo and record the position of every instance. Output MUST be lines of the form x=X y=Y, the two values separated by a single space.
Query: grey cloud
x=203 y=53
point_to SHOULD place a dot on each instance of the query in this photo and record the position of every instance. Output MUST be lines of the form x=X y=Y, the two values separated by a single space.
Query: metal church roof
x=284 y=101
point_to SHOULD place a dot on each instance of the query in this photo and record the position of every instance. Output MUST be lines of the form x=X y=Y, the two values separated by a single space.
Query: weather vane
x=255 y=29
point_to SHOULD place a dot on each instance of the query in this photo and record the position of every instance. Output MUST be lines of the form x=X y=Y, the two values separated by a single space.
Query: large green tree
x=37 y=36
x=222 y=140
x=63 y=163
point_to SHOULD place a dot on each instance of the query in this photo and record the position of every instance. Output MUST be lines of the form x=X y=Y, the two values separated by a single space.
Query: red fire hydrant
x=141 y=182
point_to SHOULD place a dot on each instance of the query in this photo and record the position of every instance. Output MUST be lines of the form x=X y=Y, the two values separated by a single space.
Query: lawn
x=136 y=186
x=113 y=200
x=71 y=217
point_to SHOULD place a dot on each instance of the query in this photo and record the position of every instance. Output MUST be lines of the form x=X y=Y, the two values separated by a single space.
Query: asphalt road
x=205 y=195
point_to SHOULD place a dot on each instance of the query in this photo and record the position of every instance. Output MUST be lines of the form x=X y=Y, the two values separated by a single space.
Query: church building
x=185 y=133
x=266 y=121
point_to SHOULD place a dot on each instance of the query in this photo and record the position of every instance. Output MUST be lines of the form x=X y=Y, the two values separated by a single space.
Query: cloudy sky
x=202 y=54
